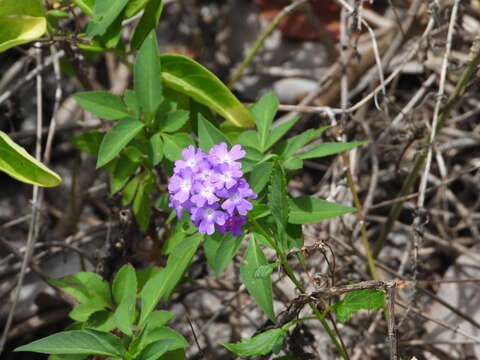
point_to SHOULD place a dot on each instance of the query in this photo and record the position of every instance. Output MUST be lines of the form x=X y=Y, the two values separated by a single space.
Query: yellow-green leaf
x=19 y=164
x=20 y=30
x=189 y=77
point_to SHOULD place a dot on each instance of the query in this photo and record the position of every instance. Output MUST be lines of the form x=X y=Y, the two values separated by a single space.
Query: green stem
x=261 y=39
x=289 y=271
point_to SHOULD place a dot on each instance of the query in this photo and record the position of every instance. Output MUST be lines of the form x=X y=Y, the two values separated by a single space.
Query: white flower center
x=209 y=214
x=186 y=185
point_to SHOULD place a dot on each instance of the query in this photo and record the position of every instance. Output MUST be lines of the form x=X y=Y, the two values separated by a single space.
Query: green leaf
x=148 y=22
x=163 y=333
x=130 y=190
x=102 y=320
x=278 y=198
x=174 y=120
x=309 y=209
x=20 y=29
x=83 y=311
x=88 y=142
x=117 y=138
x=162 y=285
x=155 y=350
x=265 y=271
x=220 y=250
x=209 y=135
x=86 y=6
x=124 y=168
x=124 y=284
x=86 y=287
x=258 y=345
x=263 y=112
x=130 y=99
x=359 y=299
x=292 y=145
x=260 y=176
x=133 y=7
x=189 y=77
x=106 y=11
x=260 y=289
x=141 y=204
x=293 y=163
x=251 y=159
x=158 y=318
x=172 y=241
x=124 y=315
x=77 y=342
x=103 y=104
x=325 y=149
x=67 y=357
x=278 y=131
x=19 y=164
x=147 y=83
x=24 y=7
x=249 y=138
x=155 y=150
x=174 y=144
x=178 y=354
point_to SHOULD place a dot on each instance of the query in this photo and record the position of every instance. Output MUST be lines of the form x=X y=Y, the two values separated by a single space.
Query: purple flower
x=205 y=193
x=181 y=185
x=219 y=154
x=234 y=225
x=226 y=177
x=192 y=159
x=236 y=198
x=211 y=187
x=206 y=217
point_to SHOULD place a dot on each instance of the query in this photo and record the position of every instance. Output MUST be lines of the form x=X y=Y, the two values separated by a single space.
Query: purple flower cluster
x=212 y=188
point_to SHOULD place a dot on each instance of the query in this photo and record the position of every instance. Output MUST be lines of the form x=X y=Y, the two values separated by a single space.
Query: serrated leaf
x=155 y=149
x=77 y=342
x=162 y=284
x=258 y=345
x=264 y=271
x=359 y=299
x=263 y=112
x=278 y=131
x=260 y=176
x=174 y=120
x=292 y=145
x=86 y=287
x=259 y=289
x=88 y=142
x=103 y=104
x=277 y=197
x=248 y=138
x=209 y=135
x=147 y=83
x=117 y=138
x=326 y=149
x=174 y=144
x=308 y=209
x=19 y=164
x=189 y=77
x=148 y=22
